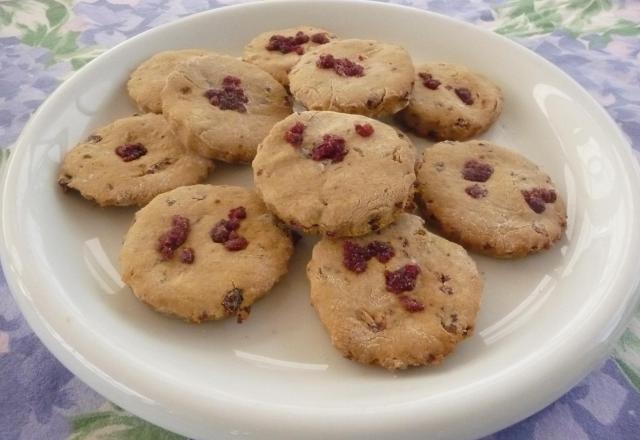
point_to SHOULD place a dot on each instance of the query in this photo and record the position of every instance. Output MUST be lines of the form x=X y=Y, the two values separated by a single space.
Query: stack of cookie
x=389 y=291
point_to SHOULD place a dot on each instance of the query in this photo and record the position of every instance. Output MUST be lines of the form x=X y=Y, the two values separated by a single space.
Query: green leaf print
x=57 y=13
x=116 y=424
x=627 y=352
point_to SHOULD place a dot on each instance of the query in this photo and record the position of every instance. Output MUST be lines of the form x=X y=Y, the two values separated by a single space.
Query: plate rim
x=393 y=419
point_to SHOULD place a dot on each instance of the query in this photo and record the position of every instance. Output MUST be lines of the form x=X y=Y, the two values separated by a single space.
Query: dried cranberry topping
x=230 y=97
x=238 y=213
x=295 y=134
x=129 y=152
x=320 y=38
x=225 y=231
x=465 y=95
x=476 y=171
x=187 y=256
x=429 y=81
x=403 y=279
x=332 y=147
x=288 y=44
x=341 y=66
x=233 y=300
x=219 y=233
x=410 y=304
x=355 y=257
x=537 y=197
x=174 y=237
x=236 y=242
x=476 y=191
x=382 y=251
x=364 y=130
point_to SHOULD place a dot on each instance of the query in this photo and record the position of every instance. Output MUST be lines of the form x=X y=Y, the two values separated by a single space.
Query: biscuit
x=149 y=78
x=130 y=161
x=278 y=51
x=222 y=107
x=490 y=199
x=334 y=173
x=451 y=102
x=354 y=76
x=204 y=252
x=397 y=298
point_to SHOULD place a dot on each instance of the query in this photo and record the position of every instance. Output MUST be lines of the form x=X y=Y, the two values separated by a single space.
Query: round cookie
x=334 y=173
x=278 y=51
x=451 y=102
x=222 y=107
x=354 y=76
x=397 y=298
x=489 y=199
x=148 y=79
x=204 y=252
x=130 y=161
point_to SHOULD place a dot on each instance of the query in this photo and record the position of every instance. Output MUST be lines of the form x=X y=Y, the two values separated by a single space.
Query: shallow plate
x=546 y=320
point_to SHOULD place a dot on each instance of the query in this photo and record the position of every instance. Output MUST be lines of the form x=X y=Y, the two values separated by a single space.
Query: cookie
x=334 y=173
x=204 y=252
x=129 y=162
x=354 y=76
x=148 y=79
x=222 y=107
x=490 y=199
x=451 y=102
x=278 y=51
x=397 y=298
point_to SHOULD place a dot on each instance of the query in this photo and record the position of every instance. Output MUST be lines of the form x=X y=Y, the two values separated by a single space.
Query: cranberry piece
x=341 y=66
x=410 y=304
x=320 y=38
x=230 y=97
x=403 y=279
x=187 y=256
x=288 y=44
x=355 y=257
x=382 y=251
x=232 y=224
x=220 y=233
x=233 y=300
x=364 y=130
x=465 y=95
x=429 y=81
x=236 y=242
x=174 y=237
x=537 y=197
x=332 y=147
x=476 y=191
x=476 y=171
x=295 y=134
x=238 y=213
x=129 y=152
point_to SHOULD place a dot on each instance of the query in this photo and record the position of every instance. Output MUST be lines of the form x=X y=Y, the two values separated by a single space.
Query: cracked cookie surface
x=364 y=77
x=334 y=173
x=130 y=161
x=375 y=317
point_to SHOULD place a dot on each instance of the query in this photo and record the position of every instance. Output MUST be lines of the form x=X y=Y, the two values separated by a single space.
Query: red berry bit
x=403 y=279
x=187 y=256
x=476 y=191
x=174 y=237
x=429 y=81
x=332 y=147
x=320 y=38
x=230 y=97
x=364 y=130
x=355 y=257
x=410 y=304
x=288 y=44
x=537 y=197
x=465 y=95
x=225 y=231
x=295 y=134
x=476 y=171
x=382 y=251
x=129 y=152
x=341 y=66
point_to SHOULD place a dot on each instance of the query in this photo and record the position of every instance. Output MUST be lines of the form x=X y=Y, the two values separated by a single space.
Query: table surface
x=43 y=41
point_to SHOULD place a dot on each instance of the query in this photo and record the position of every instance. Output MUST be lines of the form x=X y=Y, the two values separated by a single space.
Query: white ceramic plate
x=546 y=320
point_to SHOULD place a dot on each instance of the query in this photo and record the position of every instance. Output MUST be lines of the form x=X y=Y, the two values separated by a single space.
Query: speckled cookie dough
x=204 y=252
x=333 y=173
x=490 y=199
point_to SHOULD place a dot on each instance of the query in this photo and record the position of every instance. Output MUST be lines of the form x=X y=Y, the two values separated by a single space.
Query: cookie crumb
x=94 y=138
x=232 y=301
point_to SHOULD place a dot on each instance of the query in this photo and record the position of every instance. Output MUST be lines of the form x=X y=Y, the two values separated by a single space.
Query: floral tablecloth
x=43 y=41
